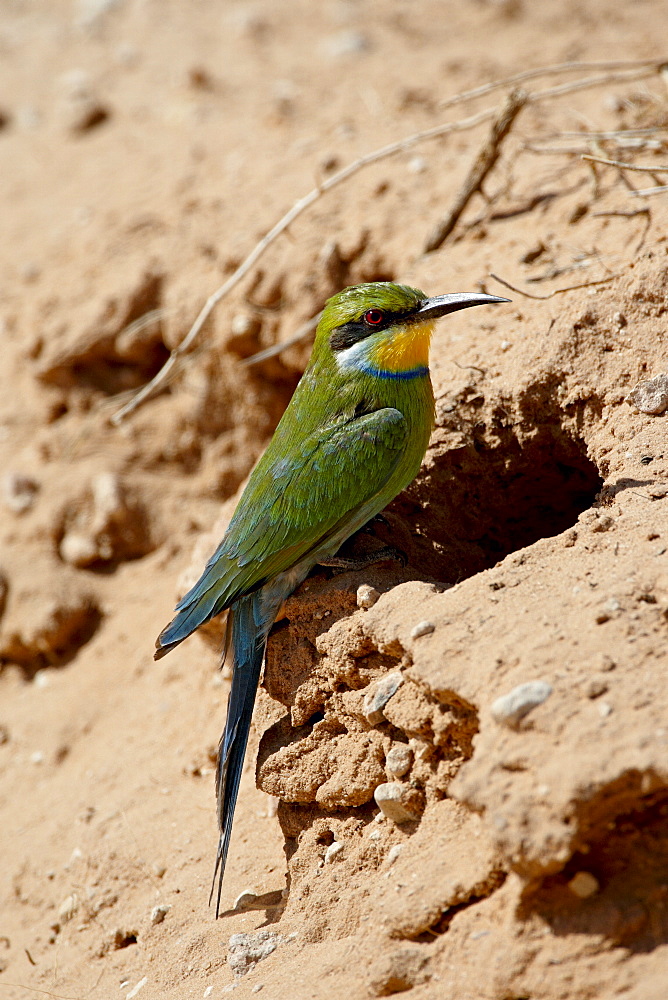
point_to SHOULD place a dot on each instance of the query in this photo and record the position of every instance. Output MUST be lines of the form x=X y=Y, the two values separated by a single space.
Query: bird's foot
x=368 y=528
x=387 y=554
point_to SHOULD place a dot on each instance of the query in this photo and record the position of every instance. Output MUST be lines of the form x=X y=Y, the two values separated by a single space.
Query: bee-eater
x=353 y=436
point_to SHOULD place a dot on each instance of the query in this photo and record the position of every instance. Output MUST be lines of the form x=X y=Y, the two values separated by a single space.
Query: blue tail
x=247 y=630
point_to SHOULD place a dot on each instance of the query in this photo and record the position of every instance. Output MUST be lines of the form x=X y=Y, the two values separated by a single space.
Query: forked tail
x=246 y=640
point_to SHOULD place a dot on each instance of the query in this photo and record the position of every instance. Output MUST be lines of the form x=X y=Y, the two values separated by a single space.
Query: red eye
x=373 y=317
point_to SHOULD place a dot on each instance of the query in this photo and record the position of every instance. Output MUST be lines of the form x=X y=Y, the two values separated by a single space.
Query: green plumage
x=348 y=442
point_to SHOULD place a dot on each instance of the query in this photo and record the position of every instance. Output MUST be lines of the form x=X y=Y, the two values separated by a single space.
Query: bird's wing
x=289 y=507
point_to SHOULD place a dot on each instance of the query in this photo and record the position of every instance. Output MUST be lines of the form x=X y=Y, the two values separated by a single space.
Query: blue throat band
x=401 y=376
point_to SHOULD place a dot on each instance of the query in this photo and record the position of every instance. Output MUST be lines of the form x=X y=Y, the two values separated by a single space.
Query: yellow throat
x=405 y=348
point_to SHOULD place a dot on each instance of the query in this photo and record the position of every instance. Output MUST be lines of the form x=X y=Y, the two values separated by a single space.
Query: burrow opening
x=474 y=504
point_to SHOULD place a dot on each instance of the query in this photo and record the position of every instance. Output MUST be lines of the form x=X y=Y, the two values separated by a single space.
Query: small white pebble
x=159 y=912
x=68 y=908
x=583 y=885
x=334 y=848
x=379 y=694
x=505 y=344
x=391 y=799
x=417 y=165
x=42 y=679
x=511 y=708
x=651 y=395
x=76 y=855
x=366 y=596
x=257 y=988
x=374 y=835
x=604 y=709
x=37 y=757
x=399 y=759
x=208 y=991
x=243 y=323
x=422 y=628
x=394 y=853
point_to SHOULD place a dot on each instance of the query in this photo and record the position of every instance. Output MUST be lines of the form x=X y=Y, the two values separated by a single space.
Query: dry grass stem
x=484 y=162
x=555 y=291
x=625 y=166
x=647 y=192
x=643 y=66
x=269 y=352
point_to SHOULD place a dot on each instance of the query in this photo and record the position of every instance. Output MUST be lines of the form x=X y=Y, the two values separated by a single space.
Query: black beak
x=441 y=305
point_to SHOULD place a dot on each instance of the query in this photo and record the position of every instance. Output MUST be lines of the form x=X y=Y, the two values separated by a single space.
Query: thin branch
x=553 y=70
x=148 y=319
x=646 y=192
x=270 y=352
x=555 y=291
x=591 y=81
x=614 y=134
x=625 y=166
x=528 y=147
x=484 y=162
x=630 y=214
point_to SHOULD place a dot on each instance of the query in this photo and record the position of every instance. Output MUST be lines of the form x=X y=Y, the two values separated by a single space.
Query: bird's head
x=385 y=329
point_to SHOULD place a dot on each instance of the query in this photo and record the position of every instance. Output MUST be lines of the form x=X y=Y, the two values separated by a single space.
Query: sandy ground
x=145 y=147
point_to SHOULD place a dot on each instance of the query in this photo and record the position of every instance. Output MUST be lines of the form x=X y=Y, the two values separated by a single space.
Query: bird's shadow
x=611 y=490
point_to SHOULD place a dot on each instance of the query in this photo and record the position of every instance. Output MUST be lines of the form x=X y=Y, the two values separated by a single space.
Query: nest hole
x=480 y=502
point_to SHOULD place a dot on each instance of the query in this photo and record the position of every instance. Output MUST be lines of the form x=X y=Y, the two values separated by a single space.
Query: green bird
x=353 y=436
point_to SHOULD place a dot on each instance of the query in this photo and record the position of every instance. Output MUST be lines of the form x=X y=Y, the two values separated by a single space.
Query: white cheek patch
x=353 y=358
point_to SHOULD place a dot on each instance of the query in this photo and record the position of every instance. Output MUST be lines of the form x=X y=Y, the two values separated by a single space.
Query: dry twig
x=484 y=162
x=641 y=66
x=625 y=166
x=270 y=352
x=555 y=291
x=646 y=192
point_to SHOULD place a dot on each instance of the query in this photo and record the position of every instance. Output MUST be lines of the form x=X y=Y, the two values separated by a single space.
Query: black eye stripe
x=351 y=333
